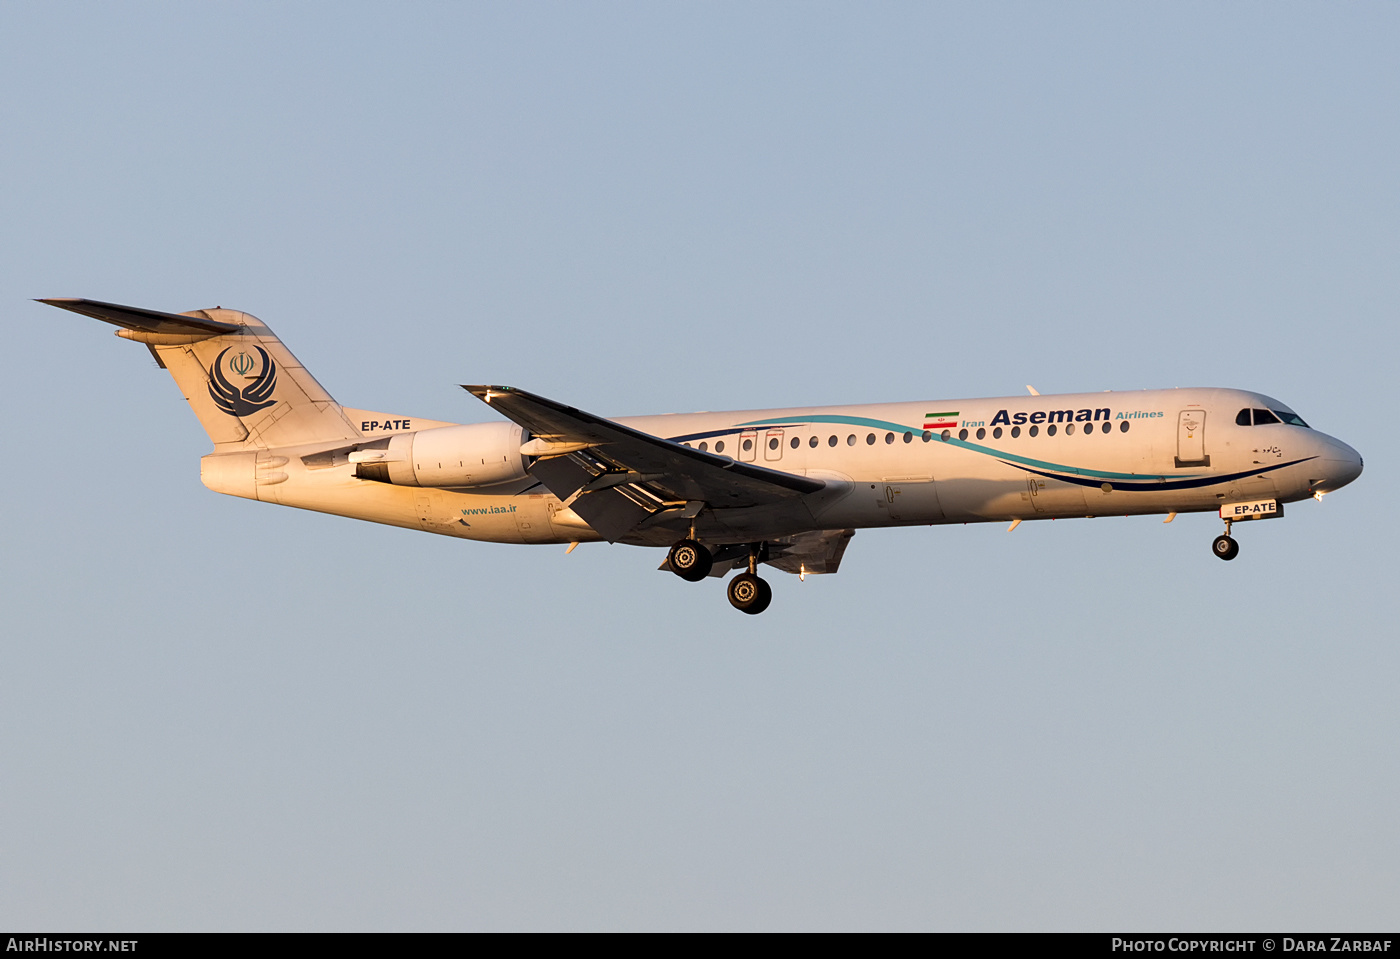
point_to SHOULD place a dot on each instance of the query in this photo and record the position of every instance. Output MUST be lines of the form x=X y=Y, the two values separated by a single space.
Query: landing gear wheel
x=749 y=594
x=690 y=561
x=1225 y=547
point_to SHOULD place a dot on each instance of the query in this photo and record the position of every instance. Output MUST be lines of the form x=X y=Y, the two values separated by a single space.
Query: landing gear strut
x=690 y=561
x=747 y=592
x=1225 y=546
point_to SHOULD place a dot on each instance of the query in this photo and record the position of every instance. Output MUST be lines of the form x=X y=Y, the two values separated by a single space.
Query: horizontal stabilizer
x=146 y=321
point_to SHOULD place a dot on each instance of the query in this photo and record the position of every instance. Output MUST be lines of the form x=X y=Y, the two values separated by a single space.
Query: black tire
x=1225 y=547
x=764 y=599
x=690 y=561
x=749 y=594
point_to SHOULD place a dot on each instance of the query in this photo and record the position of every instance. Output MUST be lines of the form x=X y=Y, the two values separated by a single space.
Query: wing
x=621 y=480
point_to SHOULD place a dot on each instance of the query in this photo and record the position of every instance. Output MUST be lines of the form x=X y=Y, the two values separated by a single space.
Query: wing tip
x=486 y=393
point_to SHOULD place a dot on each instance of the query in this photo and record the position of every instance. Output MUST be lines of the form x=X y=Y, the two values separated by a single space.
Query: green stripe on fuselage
x=965 y=444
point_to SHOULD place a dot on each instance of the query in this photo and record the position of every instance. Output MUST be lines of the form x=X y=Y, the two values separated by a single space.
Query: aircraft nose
x=1341 y=464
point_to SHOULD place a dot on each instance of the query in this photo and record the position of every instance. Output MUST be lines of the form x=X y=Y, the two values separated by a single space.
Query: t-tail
x=247 y=389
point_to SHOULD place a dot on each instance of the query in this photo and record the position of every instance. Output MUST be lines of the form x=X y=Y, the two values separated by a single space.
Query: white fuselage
x=895 y=464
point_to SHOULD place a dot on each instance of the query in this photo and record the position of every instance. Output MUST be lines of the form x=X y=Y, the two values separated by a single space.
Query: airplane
x=786 y=488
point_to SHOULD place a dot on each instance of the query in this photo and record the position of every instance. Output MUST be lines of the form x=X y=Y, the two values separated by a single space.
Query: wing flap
x=819 y=551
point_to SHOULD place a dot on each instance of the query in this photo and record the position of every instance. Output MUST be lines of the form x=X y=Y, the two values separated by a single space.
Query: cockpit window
x=1263 y=417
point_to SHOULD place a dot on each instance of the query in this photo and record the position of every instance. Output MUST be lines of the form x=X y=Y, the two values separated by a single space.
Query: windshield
x=1264 y=417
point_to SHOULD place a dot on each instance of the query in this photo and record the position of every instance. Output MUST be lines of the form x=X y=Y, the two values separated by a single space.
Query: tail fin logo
x=253 y=397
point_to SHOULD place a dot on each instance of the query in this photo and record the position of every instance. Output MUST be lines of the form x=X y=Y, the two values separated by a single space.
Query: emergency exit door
x=773 y=445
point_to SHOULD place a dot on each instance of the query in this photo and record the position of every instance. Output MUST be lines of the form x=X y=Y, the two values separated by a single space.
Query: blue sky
x=221 y=715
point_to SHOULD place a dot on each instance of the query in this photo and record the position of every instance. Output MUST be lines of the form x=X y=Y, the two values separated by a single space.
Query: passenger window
x=704 y=446
x=1242 y=418
x=796 y=442
x=981 y=434
x=927 y=436
x=1069 y=429
x=1035 y=430
x=946 y=435
x=748 y=445
x=889 y=438
x=1015 y=432
x=773 y=443
x=1050 y=430
x=1123 y=426
x=996 y=433
x=812 y=442
x=719 y=447
x=908 y=437
x=962 y=434
x=851 y=440
x=1108 y=427
x=869 y=439
x=832 y=441
x=1262 y=417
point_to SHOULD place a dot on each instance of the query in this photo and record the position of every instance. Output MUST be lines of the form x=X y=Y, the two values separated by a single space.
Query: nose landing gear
x=1225 y=546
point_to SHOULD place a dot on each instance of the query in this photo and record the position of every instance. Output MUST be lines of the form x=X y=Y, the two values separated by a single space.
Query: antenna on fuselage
x=1034 y=391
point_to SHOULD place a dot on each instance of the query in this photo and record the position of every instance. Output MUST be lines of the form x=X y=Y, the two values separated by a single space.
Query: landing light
x=1318 y=494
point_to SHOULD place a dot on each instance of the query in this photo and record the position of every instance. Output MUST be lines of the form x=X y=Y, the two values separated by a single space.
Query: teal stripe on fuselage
x=965 y=444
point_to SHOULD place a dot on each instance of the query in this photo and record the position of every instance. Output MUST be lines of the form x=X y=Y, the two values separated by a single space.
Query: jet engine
x=479 y=454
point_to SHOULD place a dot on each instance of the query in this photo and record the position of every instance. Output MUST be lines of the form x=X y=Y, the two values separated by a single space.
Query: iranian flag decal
x=940 y=421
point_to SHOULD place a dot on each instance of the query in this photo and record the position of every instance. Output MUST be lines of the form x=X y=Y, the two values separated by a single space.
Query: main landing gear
x=691 y=561
x=1225 y=546
x=747 y=592
x=750 y=594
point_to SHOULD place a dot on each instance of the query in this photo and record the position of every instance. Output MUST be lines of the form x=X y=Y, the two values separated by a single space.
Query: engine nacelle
x=479 y=454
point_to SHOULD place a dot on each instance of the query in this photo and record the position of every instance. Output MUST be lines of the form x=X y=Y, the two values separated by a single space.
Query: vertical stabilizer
x=244 y=385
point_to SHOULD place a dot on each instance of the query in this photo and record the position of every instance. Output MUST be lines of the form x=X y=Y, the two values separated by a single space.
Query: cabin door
x=1191 y=439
